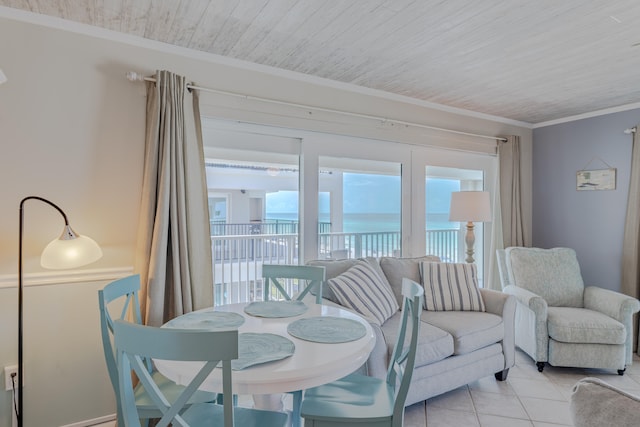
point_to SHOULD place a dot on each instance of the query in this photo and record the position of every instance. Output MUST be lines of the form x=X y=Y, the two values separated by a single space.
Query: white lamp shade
x=470 y=206
x=63 y=253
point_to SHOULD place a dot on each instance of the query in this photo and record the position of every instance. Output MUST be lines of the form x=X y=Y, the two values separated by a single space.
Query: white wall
x=72 y=130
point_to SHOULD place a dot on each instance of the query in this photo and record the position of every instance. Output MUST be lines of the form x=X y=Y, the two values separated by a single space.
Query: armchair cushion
x=553 y=274
x=579 y=325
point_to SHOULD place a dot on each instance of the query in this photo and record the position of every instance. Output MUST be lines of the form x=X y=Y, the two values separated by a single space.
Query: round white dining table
x=312 y=363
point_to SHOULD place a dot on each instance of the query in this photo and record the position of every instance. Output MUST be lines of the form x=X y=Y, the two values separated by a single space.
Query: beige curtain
x=174 y=244
x=496 y=237
x=631 y=243
x=510 y=192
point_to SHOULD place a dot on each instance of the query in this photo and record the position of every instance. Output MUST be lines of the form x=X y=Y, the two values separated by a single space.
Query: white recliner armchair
x=560 y=321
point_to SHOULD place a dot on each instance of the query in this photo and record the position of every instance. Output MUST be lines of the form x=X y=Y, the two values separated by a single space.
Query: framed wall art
x=596 y=179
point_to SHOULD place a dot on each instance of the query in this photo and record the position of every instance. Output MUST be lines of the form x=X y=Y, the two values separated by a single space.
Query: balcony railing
x=273 y=226
x=238 y=259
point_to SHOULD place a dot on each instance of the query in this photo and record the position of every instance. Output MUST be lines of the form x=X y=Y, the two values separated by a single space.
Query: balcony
x=238 y=258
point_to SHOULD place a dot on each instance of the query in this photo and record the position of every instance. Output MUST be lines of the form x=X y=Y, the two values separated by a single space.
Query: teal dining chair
x=135 y=343
x=307 y=276
x=359 y=400
x=125 y=291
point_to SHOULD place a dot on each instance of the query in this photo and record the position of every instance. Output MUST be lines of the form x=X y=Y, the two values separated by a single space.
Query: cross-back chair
x=359 y=400
x=135 y=343
x=125 y=291
x=308 y=277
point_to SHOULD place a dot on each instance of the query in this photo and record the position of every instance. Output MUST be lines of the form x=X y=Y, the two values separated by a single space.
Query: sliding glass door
x=361 y=202
x=442 y=175
x=288 y=196
x=253 y=182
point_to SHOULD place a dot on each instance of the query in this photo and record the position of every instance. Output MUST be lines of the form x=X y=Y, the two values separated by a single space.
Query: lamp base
x=470 y=240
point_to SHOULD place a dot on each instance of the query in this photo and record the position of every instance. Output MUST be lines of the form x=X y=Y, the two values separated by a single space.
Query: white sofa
x=454 y=348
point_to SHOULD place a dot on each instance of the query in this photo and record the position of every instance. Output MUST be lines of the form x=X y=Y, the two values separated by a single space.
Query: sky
x=367 y=193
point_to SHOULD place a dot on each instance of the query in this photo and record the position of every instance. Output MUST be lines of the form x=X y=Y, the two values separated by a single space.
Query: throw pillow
x=451 y=287
x=360 y=288
x=395 y=269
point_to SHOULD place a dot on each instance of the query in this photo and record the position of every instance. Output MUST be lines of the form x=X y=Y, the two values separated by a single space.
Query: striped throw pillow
x=360 y=288
x=451 y=287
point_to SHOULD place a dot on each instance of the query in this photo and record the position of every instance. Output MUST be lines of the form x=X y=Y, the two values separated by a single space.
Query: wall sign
x=597 y=179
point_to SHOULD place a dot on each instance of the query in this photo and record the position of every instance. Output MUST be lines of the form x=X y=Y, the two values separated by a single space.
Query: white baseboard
x=106 y=421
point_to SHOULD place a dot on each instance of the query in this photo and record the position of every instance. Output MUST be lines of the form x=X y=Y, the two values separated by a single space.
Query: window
x=444 y=238
x=288 y=196
x=361 y=201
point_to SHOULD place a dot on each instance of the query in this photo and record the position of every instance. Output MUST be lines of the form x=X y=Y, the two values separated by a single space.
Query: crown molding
x=596 y=113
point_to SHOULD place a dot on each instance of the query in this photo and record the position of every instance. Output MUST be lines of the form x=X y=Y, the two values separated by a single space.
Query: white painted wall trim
x=588 y=115
x=67 y=276
x=106 y=421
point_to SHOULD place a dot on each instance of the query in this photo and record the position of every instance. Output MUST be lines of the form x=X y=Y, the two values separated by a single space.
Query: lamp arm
x=19 y=415
x=64 y=215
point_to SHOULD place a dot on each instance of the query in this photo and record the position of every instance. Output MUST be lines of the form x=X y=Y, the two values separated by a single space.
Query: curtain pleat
x=174 y=244
x=496 y=237
x=510 y=192
x=631 y=242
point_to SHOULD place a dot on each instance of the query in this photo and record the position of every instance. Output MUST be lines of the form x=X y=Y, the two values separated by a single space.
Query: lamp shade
x=71 y=250
x=470 y=206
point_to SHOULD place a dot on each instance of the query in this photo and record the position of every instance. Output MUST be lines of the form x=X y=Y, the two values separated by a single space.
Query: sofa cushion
x=361 y=289
x=334 y=268
x=397 y=268
x=553 y=274
x=580 y=325
x=451 y=287
x=471 y=330
x=434 y=344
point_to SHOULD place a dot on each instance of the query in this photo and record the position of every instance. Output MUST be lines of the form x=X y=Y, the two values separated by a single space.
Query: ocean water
x=372 y=222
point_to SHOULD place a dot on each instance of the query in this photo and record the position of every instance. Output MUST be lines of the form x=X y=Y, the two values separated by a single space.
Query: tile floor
x=527 y=398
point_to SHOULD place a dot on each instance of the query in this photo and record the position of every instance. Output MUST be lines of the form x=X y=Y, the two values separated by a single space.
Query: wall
x=72 y=130
x=591 y=222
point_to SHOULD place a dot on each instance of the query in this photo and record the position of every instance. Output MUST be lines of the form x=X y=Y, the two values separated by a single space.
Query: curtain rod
x=136 y=77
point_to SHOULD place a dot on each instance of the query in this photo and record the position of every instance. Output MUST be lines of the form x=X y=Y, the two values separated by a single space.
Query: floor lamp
x=70 y=250
x=470 y=207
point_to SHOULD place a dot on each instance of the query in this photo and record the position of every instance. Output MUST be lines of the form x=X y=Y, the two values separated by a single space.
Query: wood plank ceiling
x=531 y=61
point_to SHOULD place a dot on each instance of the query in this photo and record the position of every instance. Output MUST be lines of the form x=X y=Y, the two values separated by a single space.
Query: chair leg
x=502 y=375
x=295 y=414
x=540 y=366
x=621 y=371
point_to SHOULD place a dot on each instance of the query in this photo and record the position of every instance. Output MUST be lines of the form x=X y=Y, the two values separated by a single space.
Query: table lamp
x=70 y=250
x=470 y=207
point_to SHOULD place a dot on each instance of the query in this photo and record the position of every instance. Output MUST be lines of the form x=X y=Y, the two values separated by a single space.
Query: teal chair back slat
x=127 y=288
x=360 y=400
x=308 y=277
x=134 y=343
x=404 y=352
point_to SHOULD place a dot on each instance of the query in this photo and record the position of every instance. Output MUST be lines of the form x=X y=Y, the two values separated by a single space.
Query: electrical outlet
x=8 y=381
